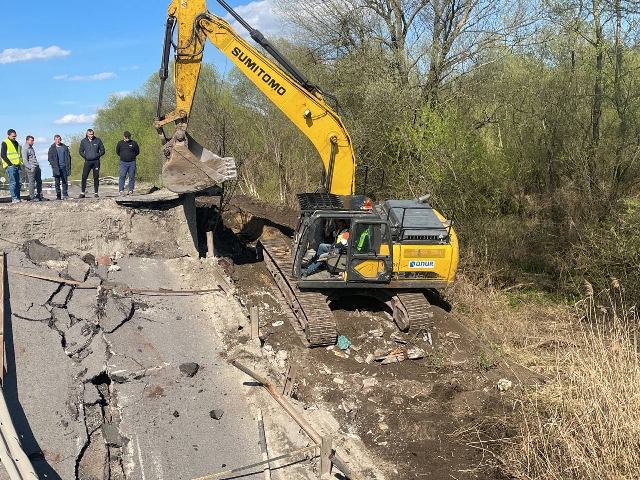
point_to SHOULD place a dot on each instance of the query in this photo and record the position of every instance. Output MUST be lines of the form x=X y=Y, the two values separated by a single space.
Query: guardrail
x=50 y=184
x=13 y=457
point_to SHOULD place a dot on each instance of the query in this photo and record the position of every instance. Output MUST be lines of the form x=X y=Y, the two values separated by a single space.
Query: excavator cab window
x=370 y=258
x=326 y=248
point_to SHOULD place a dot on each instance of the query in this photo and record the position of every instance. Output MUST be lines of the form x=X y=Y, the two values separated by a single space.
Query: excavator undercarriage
x=308 y=310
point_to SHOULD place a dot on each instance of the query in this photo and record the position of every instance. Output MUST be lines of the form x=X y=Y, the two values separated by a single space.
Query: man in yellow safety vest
x=11 y=155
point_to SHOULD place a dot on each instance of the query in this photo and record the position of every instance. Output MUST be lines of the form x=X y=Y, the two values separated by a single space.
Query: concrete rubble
x=112 y=370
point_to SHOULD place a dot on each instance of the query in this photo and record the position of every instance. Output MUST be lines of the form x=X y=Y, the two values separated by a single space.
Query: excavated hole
x=102 y=378
x=113 y=464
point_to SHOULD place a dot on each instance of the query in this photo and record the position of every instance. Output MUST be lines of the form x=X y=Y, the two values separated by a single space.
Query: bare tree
x=426 y=41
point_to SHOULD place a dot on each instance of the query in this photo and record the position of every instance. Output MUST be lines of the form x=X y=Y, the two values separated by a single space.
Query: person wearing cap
x=128 y=150
x=91 y=149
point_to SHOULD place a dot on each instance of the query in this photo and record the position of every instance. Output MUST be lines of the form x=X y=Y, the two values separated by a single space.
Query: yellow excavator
x=343 y=244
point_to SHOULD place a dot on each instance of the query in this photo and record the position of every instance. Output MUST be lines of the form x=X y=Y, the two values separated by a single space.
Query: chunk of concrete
x=83 y=304
x=93 y=416
x=116 y=312
x=91 y=395
x=95 y=361
x=60 y=298
x=77 y=269
x=38 y=252
x=77 y=338
x=61 y=318
x=111 y=434
x=94 y=464
x=189 y=369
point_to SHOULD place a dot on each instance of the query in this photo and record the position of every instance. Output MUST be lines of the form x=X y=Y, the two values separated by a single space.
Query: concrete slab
x=159 y=342
x=60 y=299
x=78 y=337
x=116 y=311
x=28 y=296
x=98 y=227
x=77 y=269
x=83 y=304
x=43 y=382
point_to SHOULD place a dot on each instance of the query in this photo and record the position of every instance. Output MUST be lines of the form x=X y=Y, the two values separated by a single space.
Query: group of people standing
x=15 y=157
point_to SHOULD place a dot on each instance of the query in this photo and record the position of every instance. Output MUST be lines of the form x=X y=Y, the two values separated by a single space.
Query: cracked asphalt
x=93 y=375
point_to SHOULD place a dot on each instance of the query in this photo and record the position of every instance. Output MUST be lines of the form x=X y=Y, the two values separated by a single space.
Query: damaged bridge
x=106 y=379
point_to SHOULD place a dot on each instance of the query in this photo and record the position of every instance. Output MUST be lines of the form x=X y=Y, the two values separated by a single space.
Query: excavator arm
x=302 y=102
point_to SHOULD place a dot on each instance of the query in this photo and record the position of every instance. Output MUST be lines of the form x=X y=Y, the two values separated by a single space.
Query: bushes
x=608 y=249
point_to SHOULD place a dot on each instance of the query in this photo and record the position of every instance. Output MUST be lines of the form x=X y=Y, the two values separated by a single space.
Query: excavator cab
x=340 y=243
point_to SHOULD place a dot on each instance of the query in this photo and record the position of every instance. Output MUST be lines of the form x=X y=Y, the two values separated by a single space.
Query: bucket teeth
x=190 y=167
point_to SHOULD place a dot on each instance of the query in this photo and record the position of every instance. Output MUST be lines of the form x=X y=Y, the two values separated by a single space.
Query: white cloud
x=13 y=55
x=260 y=15
x=96 y=77
x=71 y=118
x=40 y=139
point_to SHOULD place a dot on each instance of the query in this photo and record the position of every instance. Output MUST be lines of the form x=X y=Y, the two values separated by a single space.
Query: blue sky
x=60 y=61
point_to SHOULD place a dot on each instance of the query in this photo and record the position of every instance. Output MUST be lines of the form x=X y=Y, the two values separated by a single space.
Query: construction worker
x=11 y=155
x=91 y=149
x=127 y=150
x=60 y=160
x=32 y=166
x=340 y=244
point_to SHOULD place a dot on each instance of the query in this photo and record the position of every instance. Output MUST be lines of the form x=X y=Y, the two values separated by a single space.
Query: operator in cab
x=339 y=246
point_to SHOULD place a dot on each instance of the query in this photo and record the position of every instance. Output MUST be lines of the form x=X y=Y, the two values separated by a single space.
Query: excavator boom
x=284 y=86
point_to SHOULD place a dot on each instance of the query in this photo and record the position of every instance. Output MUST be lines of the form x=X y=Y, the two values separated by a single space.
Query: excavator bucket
x=191 y=168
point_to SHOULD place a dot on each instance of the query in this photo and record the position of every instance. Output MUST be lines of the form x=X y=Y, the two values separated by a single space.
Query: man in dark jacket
x=60 y=159
x=91 y=149
x=127 y=150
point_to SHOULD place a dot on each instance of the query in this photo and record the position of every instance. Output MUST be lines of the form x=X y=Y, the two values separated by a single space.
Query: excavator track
x=412 y=312
x=308 y=313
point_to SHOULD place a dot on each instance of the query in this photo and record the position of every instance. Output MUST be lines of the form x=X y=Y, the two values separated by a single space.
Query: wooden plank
x=334 y=457
x=2 y=315
x=263 y=445
x=325 y=457
x=290 y=380
x=255 y=322
x=210 y=249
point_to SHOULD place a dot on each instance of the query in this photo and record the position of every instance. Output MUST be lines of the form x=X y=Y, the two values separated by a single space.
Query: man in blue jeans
x=59 y=158
x=11 y=154
x=341 y=241
x=127 y=150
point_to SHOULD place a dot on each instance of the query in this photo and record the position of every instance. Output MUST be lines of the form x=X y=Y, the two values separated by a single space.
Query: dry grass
x=583 y=422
